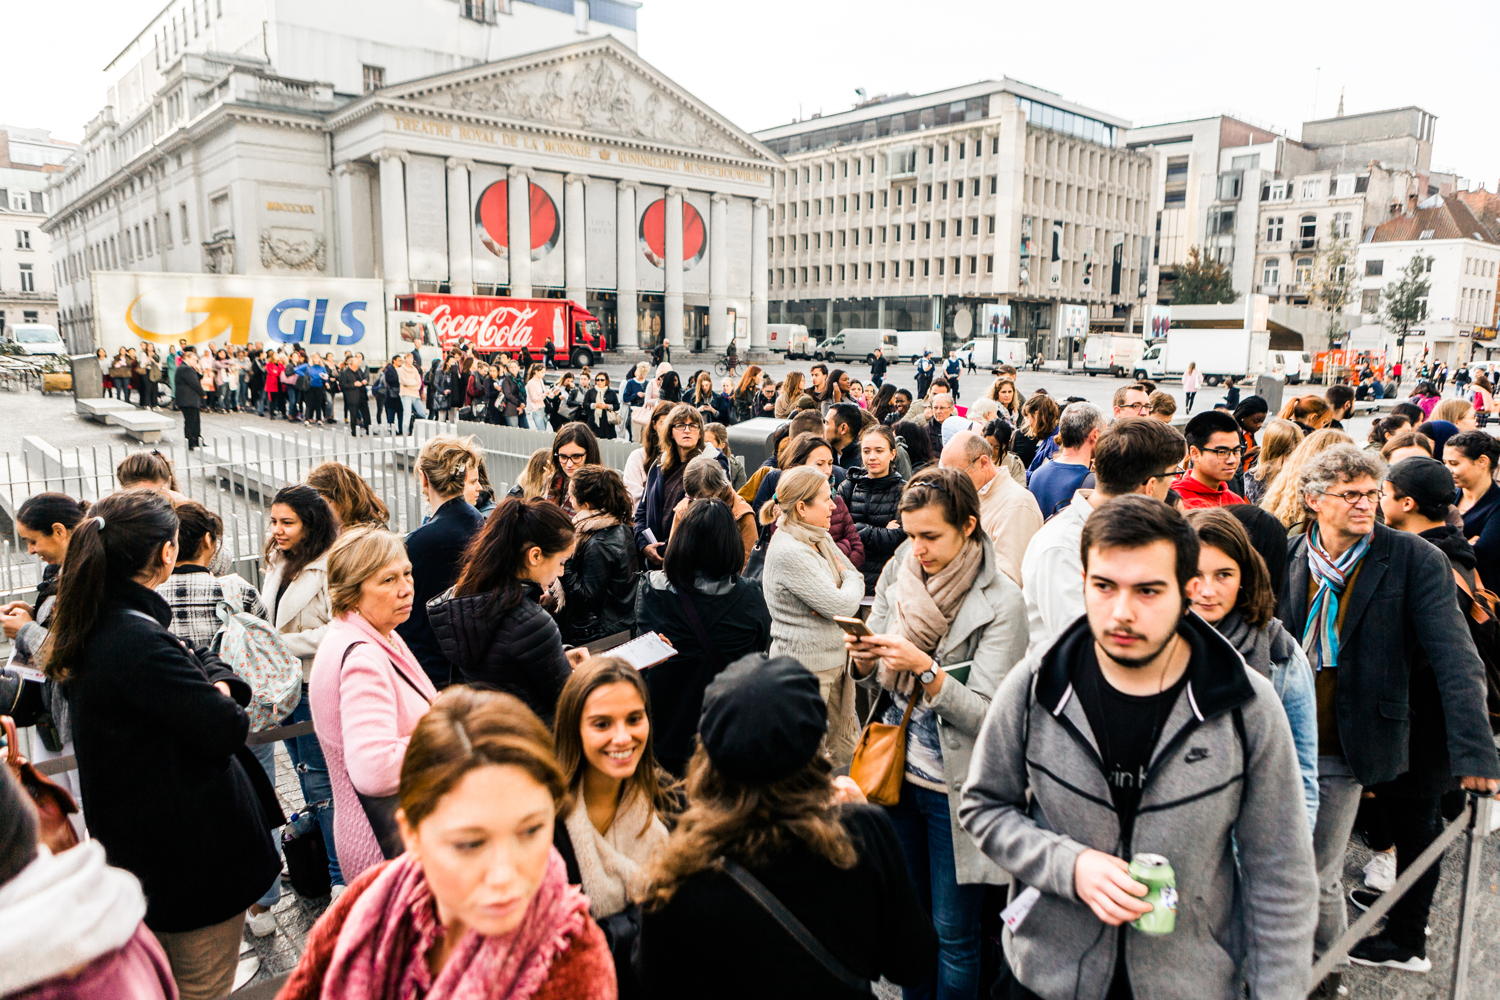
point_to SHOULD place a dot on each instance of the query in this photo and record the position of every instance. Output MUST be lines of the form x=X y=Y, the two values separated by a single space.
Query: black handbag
x=755 y=567
x=306 y=859
x=380 y=810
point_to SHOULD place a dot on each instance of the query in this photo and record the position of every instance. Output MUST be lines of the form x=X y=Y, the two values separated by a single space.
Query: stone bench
x=143 y=425
x=99 y=409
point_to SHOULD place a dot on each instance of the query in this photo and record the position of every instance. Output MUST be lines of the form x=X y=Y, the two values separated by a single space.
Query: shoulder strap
x=794 y=927
x=398 y=671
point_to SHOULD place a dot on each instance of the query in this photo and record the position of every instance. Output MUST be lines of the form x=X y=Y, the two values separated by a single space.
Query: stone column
x=519 y=212
x=575 y=239
x=671 y=326
x=345 y=175
x=394 y=265
x=460 y=228
x=720 y=330
x=627 y=337
x=760 y=272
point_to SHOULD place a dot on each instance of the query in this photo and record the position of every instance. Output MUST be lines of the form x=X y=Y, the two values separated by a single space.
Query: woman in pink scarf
x=479 y=906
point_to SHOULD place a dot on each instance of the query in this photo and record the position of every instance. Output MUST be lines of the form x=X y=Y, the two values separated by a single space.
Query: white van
x=911 y=343
x=36 y=339
x=1295 y=366
x=855 y=344
x=781 y=336
x=989 y=352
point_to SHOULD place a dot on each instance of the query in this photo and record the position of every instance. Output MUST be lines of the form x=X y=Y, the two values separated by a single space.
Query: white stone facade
x=1460 y=299
x=29 y=160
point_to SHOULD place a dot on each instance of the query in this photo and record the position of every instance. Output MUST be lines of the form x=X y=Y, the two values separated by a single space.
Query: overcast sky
x=765 y=63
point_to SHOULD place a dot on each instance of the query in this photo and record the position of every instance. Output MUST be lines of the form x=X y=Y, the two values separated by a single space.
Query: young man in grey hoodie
x=1140 y=729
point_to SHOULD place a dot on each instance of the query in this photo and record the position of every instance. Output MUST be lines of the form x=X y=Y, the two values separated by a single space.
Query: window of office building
x=1270 y=272
x=1369 y=301
x=1374 y=268
x=1304 y=272
x=374 y=77
x=1274 y=228
x=1343 y=225
x=28 y=278
x=23 y=239
x=1307 y=229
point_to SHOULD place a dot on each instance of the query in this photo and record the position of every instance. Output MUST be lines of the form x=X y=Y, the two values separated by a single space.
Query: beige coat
x=302 y=614
x=1010 y=516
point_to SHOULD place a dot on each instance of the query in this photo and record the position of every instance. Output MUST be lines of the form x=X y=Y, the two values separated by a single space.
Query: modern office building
x=417 y=141
x=917 y=212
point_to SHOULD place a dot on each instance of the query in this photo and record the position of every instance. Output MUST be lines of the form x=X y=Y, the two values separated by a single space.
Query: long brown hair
x=567 y=739
x=668 y=455
x=750 y=381
x=124 y=537
x=493 y=560
x=650 y=439
x=1223 y=531
x=351 y=498
x=466 y=729
x=751 y=824
x=318 y=528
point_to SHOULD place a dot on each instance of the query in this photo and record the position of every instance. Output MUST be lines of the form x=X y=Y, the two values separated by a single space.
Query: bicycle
x=729 y=364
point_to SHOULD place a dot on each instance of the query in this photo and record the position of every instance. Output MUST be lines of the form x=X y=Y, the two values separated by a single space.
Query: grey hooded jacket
x=1221 y=800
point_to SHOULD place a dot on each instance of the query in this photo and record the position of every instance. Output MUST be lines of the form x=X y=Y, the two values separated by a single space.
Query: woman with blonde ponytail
x=808 y=582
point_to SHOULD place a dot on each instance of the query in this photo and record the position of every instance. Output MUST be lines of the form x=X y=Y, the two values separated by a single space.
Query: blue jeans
x=926 y=836
x=266 y=754
x=312 y=774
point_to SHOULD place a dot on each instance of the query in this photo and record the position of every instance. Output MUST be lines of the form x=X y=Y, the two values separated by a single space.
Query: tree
x=1333 y=286
x=1202 y=281
x=1403 y=304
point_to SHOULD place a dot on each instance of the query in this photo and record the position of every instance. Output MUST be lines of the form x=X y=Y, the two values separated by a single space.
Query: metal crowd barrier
x=60 y=764
x=1475 y=821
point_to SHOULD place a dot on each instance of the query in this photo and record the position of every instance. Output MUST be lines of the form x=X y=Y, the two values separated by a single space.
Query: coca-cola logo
x=504 y=328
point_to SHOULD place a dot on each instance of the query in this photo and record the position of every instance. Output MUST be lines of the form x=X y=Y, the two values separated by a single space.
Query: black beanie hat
x=763 y=718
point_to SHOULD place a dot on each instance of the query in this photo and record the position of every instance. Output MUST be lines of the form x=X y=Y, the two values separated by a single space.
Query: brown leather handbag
x=53 y=803
x=879 y=764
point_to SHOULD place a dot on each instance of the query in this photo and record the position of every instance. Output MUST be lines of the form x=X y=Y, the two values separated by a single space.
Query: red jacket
x=585 y=971
x=1194 y=494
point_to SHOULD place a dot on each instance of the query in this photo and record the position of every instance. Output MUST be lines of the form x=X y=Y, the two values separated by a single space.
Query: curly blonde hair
x=1284 y=498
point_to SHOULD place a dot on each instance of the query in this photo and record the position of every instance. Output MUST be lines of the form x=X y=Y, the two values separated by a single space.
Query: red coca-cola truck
x=492 y=325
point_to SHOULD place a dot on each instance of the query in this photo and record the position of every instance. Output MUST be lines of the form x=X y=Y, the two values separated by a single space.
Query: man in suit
x=188 y=395
x=1359 y=596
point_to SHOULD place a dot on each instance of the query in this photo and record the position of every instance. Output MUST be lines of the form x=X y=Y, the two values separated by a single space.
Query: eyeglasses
x=1234 y=452
x=1169 y=474
x=1137 y=407
x=572 y=458
x=601 y=381
x=1352 y=497
x=684 y=423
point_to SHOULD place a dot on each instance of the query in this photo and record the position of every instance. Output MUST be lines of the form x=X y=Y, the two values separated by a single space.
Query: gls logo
x=235 y=316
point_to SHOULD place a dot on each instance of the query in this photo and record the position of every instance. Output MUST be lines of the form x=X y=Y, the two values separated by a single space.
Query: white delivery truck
x=855 y=344
x=210 y=311
x=989 y=351
x=779 y=337
x=911 y=343
x=35 y=339
x=1294 y=366
x=1112 y=353
x=1221 y=355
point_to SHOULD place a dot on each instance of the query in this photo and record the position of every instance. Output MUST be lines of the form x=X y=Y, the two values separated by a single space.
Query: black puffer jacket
x=600 y=586
x=872 y=504
x=516 y=649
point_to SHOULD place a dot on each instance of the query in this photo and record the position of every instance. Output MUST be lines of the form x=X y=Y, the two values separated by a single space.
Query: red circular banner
x=654 y=233
x=492 y=216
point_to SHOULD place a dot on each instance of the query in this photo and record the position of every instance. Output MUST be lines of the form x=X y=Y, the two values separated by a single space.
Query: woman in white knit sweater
x=807 y=582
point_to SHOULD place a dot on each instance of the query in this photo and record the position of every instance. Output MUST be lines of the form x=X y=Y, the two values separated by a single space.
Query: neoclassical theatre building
x=627 y=194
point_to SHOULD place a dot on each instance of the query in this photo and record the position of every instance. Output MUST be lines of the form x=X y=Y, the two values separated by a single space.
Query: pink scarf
x=382 y=950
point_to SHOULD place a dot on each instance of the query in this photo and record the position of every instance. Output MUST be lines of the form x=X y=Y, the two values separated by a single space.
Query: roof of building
x=1437 y=218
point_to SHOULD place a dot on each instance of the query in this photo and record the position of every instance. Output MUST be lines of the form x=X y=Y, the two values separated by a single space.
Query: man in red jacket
x=1214 y=450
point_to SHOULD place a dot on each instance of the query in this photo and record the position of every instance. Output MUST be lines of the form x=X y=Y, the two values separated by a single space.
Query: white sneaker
x=261 y=924
x=246 y=971
x=336 y=891
x=1380 y=871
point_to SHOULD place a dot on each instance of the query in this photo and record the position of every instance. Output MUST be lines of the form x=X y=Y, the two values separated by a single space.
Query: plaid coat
x=193 y=593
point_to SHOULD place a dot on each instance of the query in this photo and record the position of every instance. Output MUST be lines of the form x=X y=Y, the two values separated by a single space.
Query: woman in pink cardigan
x=367 y=692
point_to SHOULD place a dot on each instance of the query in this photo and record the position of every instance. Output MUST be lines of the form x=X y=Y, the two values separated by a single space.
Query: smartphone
x=853 y=626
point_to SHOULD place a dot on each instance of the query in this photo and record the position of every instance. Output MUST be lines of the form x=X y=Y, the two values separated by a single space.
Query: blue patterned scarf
x=1320 y=637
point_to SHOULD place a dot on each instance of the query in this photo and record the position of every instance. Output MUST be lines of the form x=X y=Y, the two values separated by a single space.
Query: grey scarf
x=1263 y=648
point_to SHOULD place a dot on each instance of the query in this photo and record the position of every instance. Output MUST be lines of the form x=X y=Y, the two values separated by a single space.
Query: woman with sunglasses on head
x=601 y=408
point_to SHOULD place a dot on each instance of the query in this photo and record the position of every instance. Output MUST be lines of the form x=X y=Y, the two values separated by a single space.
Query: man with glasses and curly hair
x=1214 y=450
x=1361 y=597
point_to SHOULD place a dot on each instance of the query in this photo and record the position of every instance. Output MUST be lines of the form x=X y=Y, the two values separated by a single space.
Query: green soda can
x=1156 y=874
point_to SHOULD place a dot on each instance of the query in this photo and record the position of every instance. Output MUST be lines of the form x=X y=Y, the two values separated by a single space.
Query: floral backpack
x=251 y=648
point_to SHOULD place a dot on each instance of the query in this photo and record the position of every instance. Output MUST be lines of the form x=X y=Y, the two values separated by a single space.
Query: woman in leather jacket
x=599 y=582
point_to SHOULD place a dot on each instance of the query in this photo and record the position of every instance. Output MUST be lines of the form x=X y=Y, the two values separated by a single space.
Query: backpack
x=251 y=648
x=1481 y=611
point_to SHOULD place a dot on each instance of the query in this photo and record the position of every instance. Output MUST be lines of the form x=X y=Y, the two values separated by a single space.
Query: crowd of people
x=939 y=676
